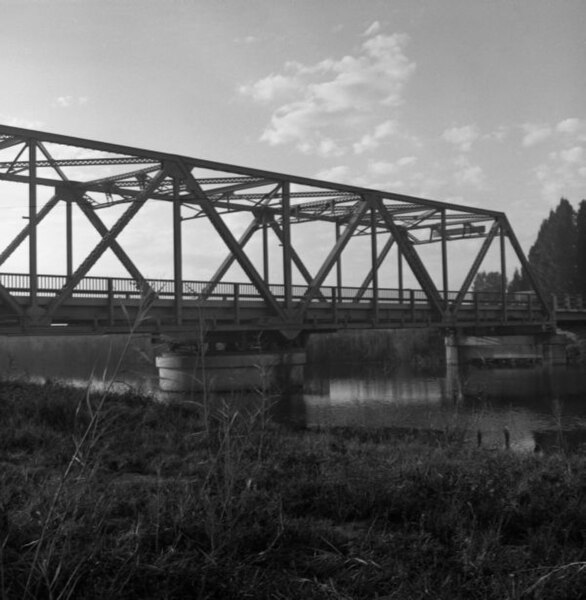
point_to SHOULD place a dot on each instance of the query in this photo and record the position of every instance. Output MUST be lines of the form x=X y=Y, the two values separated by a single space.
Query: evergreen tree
x=519 y=282
x=487 y=282
x=581 y=248
x=554 y=254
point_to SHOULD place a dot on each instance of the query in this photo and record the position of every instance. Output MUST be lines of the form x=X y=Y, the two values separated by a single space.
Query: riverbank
x=104 y=497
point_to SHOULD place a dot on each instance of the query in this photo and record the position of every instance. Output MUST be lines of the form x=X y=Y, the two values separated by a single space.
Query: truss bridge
x=110 y=239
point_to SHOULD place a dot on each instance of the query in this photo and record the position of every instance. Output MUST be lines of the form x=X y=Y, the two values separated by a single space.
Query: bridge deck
x=109 y=304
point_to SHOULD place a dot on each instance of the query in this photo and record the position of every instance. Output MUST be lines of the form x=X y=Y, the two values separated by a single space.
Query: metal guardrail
x=18 y=284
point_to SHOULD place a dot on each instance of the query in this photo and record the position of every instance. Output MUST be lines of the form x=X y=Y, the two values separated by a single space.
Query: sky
x=467 y=101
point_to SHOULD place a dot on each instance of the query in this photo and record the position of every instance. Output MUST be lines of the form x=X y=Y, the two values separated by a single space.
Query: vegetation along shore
x=122 y=497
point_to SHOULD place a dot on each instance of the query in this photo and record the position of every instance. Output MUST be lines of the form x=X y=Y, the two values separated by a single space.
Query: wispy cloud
x=571 y=126
x=15 y=121
x=462 y=137
x=326 y=103
x=468 y=174
x=535 y=133
x=373 y=29
x=337 y=173
x=371 y=141
x=562 y=171
x=69 y=101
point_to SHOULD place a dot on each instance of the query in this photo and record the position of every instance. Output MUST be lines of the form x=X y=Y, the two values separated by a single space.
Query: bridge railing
x=18 y=284
x=569 y=302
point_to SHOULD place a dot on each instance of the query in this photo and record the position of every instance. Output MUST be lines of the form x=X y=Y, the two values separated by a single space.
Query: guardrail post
x=237 y=303
x=412 y=304
x=477 y=307
x=110 y=301
x=530 y=306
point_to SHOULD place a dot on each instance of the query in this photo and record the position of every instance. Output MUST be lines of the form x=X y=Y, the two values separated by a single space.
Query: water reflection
x=535 y=405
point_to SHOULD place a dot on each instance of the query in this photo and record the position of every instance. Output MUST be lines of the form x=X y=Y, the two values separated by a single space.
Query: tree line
x=557 y=258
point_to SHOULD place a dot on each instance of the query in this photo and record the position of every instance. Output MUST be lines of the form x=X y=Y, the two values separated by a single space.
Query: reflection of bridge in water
x=183 y=207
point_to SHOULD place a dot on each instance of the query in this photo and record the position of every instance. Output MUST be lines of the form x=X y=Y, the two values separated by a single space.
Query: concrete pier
x=225 y=371
x=506 y=351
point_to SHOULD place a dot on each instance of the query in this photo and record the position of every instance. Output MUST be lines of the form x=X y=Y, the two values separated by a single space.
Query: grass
x=127 y=498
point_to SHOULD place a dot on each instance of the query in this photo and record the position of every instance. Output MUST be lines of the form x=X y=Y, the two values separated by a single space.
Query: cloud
x=563 y=174
x=571 y=126
x=382 y=167
x=21 y=122
x=329 y=101
x=69 y=101
x=535 y=133
x=407 y=161
x=573 y=155
x=337 y=173
x=371 y=141
x=373 y=29
x=498 y=135
x=269 y=88
x=469 y=174
x=462 y=137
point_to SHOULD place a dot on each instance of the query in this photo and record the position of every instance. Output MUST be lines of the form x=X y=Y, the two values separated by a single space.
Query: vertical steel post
x=503 y=273
x=177 y=253
x=69 y=235
x=444 y=259
x=286 y=206
x=32 y=217
x=400 y=272
x=110 y=301
x=374 y=260
x=265 y=248
x=338 y=265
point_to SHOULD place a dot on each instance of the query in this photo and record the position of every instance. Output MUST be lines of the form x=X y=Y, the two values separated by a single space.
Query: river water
x=539 y=408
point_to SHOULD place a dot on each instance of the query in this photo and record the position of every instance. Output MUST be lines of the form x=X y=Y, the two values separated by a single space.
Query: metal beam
x=228 y=238
x=294 y=256
x=503 y=274
x=13 y=141
x=25 y=232
x=369 y=277
x=474 y=268
x=32 y=217
x=177 y=252
x=444 y=258
x=229 y=260
x=135 y=154
x=412 y=258
x=106 y=242
x=103 y=230
x=360 y=209
x=286 y=243
x=527 y=267
x=244 y=239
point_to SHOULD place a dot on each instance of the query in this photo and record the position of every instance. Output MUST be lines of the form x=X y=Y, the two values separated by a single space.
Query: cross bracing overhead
x=95 y=178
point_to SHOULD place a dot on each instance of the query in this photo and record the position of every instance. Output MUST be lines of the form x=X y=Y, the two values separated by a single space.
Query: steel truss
x=94 y=176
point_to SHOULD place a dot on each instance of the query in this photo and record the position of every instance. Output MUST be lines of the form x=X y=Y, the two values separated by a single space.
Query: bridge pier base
x=505 y=350
x=281 y=370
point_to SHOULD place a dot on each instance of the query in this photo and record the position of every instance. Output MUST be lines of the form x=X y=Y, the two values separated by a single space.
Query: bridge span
x=301 y=255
